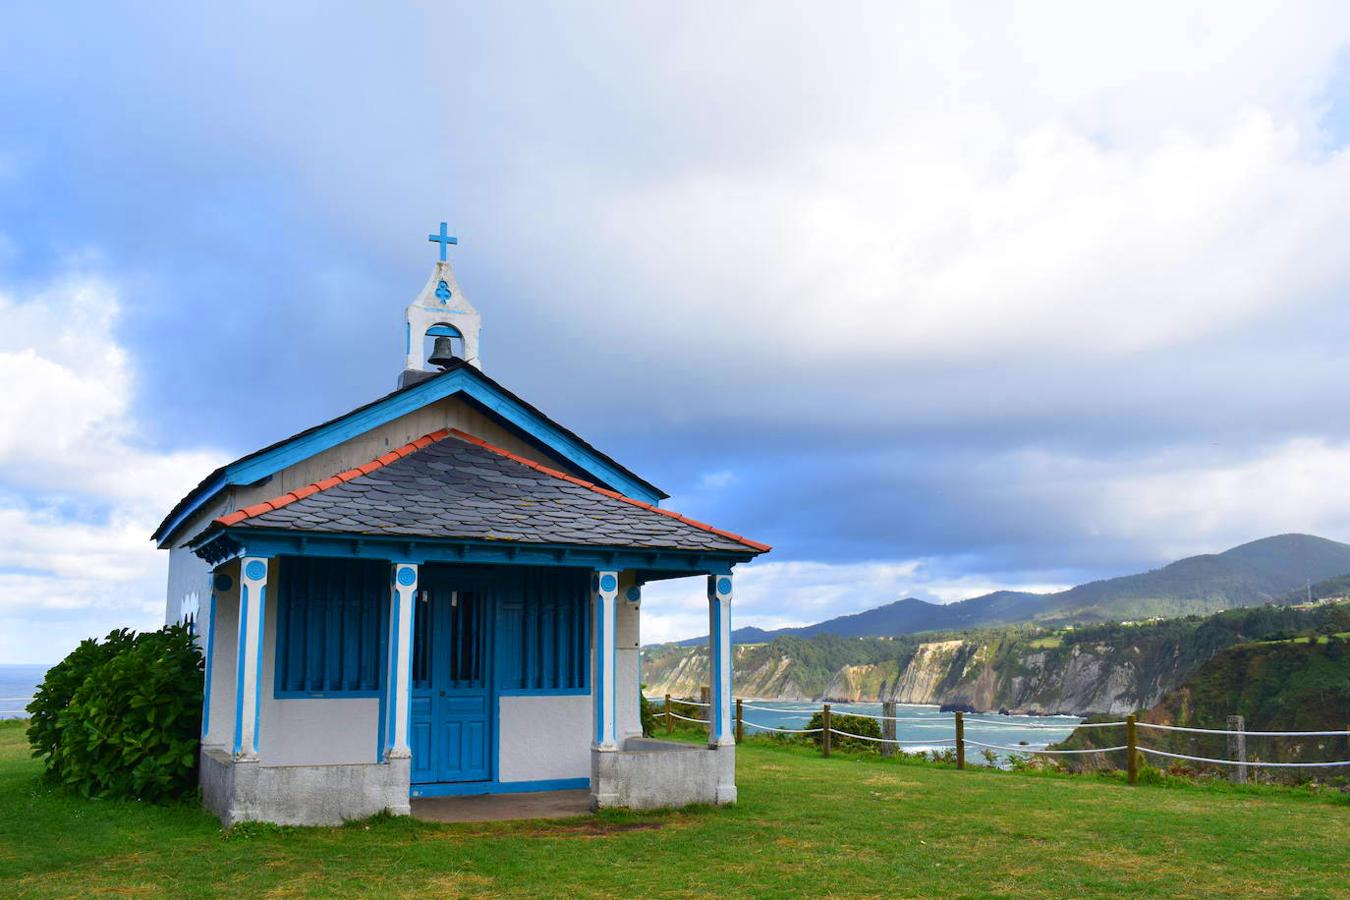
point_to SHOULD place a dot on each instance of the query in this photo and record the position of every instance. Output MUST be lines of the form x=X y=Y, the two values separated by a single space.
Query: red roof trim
x=702 y=526
x=257 y=509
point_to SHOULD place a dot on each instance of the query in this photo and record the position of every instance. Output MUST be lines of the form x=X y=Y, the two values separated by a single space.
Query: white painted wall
x=311 y=731
x=189 y=575
x=545 y=737
x=189 y=587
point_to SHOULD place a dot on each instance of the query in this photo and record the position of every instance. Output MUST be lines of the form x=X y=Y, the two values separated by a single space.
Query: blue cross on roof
x=445 y=239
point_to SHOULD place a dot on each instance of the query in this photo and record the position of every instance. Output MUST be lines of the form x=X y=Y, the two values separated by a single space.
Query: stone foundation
x=654 y=774
x=244 y=791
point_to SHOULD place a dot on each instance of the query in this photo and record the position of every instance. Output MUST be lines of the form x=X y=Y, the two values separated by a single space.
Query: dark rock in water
x=956 y=707
x=1022 y=743
x=1003 y=711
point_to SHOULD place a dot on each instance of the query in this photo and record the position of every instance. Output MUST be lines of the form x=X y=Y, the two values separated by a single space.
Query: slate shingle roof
x=453 y=485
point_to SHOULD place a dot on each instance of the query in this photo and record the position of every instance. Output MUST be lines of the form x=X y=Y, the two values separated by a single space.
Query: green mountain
x=1270 y=570
x=1262 y=571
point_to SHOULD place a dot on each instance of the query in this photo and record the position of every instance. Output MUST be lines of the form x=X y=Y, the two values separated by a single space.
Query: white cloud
x=1207 y=504
x=892 y=251
x=78 y=497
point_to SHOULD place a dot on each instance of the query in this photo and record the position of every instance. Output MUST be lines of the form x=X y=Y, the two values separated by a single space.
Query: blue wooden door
x=451 y=702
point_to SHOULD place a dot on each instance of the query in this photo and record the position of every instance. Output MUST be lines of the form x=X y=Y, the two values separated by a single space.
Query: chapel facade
x=438 y=593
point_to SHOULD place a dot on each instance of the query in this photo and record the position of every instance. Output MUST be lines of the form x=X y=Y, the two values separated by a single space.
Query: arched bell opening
x=441 y=344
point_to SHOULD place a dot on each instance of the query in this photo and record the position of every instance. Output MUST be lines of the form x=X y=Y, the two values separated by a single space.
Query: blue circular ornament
x=407 y=577
x=256 y=570
x=222 y=582
x=608 y=582
x=634 y=594
x=724 y=586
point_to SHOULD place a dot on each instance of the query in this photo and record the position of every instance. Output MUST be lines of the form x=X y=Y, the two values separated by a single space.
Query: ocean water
x=17 y=684
x=922 y=727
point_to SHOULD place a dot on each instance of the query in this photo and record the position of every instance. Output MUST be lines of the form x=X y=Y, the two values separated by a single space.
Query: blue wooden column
x=604 y=690
x=248 y=669
x=398 y=678
x=721 y=731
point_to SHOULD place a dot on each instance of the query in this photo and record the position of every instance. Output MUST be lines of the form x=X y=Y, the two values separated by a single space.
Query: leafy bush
x=844 y=722
x=59 y=686
x=123 y=718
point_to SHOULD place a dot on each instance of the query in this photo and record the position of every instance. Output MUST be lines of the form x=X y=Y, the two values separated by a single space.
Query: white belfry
x=440 y=309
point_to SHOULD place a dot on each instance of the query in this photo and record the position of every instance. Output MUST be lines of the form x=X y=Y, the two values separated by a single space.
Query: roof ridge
x=379 y=462
x=615 y=495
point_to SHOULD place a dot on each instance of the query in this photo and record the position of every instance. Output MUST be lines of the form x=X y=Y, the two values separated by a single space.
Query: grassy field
x=805 y=826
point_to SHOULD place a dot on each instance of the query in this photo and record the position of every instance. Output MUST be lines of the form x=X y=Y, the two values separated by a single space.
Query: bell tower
x=440 y=311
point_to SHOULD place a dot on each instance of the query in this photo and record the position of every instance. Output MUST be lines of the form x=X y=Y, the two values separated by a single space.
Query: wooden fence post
x=1131 y=756
x=740 y=723
x=825 y=726
x=960 y=740
x=888 y=745
x=1237 y=749
x=670 y=722
x=707 y=707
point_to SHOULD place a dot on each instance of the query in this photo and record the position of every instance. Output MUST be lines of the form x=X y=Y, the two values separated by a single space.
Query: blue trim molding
x=241 y=662
x=652 y=565
x=210 y=656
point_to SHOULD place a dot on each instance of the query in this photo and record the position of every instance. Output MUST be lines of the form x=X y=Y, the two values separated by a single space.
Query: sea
x=922 y=728
x=17 y=685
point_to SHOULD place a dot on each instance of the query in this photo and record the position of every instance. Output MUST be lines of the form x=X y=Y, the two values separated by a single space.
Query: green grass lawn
x=805 y=826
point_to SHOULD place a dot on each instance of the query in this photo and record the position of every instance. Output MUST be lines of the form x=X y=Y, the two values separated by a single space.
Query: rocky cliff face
x=1079 y=680
x=1108 y=669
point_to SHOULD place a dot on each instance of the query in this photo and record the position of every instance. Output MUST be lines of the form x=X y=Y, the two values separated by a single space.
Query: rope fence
x=890 y=743
x=1245 y=733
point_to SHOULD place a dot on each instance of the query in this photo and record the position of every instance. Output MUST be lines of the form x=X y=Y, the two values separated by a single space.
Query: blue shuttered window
x=331 y=624
x=543 y=633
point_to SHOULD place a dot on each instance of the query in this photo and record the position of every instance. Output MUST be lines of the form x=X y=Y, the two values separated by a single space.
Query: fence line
x=1246 y=762
x=1244 y=733
x=889 y=742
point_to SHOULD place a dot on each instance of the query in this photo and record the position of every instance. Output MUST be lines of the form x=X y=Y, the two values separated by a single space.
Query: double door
x=452 y=716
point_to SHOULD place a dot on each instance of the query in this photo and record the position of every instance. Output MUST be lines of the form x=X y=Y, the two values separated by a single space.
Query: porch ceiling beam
x=654 y=564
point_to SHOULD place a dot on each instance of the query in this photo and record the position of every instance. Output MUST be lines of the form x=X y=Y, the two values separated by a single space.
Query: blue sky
x=934 y=301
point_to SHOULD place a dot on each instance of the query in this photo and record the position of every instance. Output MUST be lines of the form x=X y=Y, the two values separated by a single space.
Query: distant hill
x=1262 y=571
x=1269 y=570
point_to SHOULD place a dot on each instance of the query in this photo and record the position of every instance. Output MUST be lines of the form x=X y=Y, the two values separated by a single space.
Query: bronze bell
x=442 y=352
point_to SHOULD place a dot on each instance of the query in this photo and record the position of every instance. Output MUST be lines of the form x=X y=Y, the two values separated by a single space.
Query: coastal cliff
x=1104 y=669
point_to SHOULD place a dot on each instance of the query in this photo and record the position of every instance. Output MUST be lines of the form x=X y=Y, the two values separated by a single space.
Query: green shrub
x=862 y=725
x=123 y=718
x=59 y=686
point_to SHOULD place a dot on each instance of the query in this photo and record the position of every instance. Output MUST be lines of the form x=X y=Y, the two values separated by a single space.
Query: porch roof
x=452 y=485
